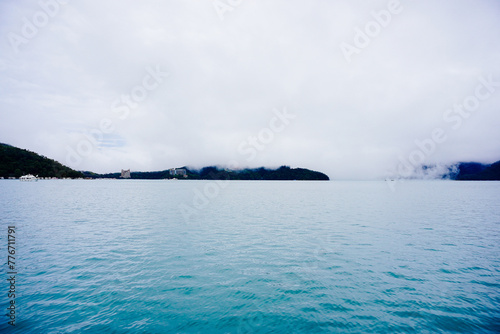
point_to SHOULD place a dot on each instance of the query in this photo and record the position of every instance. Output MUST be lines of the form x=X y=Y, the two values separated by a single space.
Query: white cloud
x=353 y=119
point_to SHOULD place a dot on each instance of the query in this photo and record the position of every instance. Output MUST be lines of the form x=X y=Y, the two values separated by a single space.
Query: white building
x=125 y=174
x=178 y=171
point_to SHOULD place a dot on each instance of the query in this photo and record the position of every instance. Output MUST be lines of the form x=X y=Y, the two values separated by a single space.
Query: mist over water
x=307 y=257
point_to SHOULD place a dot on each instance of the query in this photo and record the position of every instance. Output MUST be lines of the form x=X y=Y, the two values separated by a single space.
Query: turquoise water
x=243 y=257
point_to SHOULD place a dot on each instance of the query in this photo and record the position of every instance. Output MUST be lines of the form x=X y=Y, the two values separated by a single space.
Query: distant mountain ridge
x=15 y=162
x=474 y=171
x=216 y=173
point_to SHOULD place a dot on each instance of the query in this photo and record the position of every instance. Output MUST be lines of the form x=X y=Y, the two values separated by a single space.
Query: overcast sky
x=344 y=87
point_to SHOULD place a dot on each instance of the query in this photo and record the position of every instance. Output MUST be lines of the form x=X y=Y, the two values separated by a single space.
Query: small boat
x=29 y=178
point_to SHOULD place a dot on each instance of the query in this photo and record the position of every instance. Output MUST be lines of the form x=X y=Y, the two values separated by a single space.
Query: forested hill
x=473 y=171
x=216 y=173
x=16 y=162
x=282 y=173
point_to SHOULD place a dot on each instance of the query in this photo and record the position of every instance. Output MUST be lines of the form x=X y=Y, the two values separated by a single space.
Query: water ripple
x=263 y=257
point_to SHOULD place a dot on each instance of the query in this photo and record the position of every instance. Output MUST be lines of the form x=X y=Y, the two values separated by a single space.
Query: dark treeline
x=282 y=173
x=473 y=171
x=216 y=173
x=16 y=162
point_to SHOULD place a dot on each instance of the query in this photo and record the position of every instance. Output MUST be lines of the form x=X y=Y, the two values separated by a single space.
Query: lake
x=134 y=256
